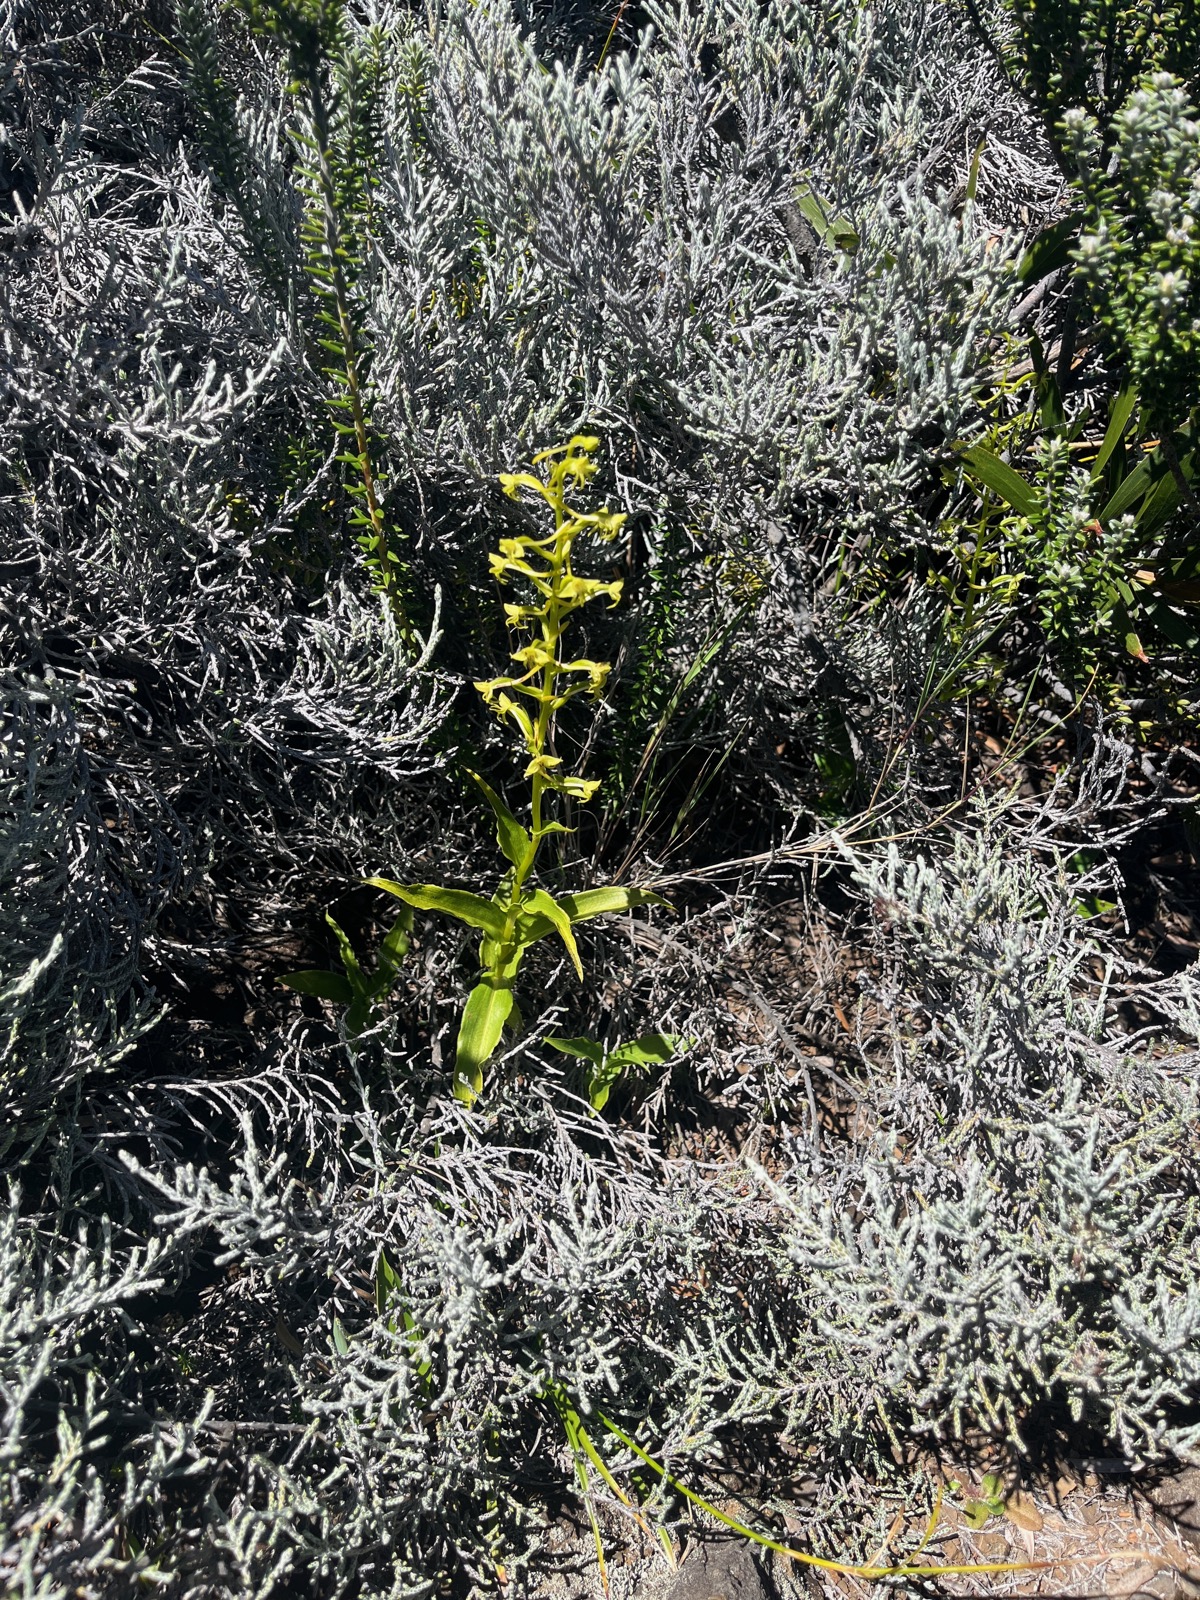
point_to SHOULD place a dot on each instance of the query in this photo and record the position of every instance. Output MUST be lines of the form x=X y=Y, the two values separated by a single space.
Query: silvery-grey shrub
x=211 y=726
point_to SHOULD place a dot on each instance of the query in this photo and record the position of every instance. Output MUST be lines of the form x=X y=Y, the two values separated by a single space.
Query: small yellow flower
x=580 y=788
x=516 y=615
x=597 y=672
x=543 y=765
x=533 y=657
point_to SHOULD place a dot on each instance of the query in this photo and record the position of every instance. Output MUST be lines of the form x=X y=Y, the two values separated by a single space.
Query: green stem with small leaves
x=330 y=273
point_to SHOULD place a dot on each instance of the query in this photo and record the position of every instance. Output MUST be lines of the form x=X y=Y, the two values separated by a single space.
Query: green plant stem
x=551 y=631
x=902 y=1570
x=334 y=272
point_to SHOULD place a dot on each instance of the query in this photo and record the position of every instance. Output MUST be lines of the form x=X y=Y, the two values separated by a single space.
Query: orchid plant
x=521 y=912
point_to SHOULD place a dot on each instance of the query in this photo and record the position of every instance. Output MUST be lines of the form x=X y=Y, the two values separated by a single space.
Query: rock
x=1141 y=1582
x=1177 y=1501
x=718 y=1571
x=1166 y=1585
x=991 y=1547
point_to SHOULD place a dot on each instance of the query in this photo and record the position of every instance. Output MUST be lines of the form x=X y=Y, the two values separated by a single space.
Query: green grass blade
x=1122 y=410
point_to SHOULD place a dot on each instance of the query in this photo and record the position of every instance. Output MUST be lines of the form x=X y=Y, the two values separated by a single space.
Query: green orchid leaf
x=545 y=905
x=347 y=957
x=600 y=1087
x=470 y=908
x=510 y=835
x=1118 y=420
x=324 y=985
x=423 y=1368
x=585 y=1049
x=605 y=902
x=359 y=1016
x=484 y=1015
x=1093 y=906
x=396 y=945
x=532 y=929
x=341 y=1341
x=1001 y=479
x=834 y=232
x=387 y=1283
x=650 y=1050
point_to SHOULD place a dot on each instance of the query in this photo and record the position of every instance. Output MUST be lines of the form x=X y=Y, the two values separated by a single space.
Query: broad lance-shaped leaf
x=510 y=835
x=544 y=905
x=590 y=903
x=347 y=957
x=325 y=985
x=604 y=902
x=1001 y=479
x=387 y=1283
x=650 y=1050
x=581 y=907
x=484 y=1015
x=834 y=232
x=469 y=908
x=395 y=947
x=552 y=827
x=585 y=1049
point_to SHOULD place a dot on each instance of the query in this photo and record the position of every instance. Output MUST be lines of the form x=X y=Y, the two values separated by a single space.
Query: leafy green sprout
x=354 y=988
x=991 y=1501
x=520 y=912
x=608 y=1066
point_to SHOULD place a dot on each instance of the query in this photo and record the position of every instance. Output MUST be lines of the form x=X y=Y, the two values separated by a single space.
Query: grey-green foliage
x=207 y=717
x=1013 y=1224
x=80 y=1459
x=1028 y=1218
x=561 y=244
x=82 y=876
x=548 y=244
